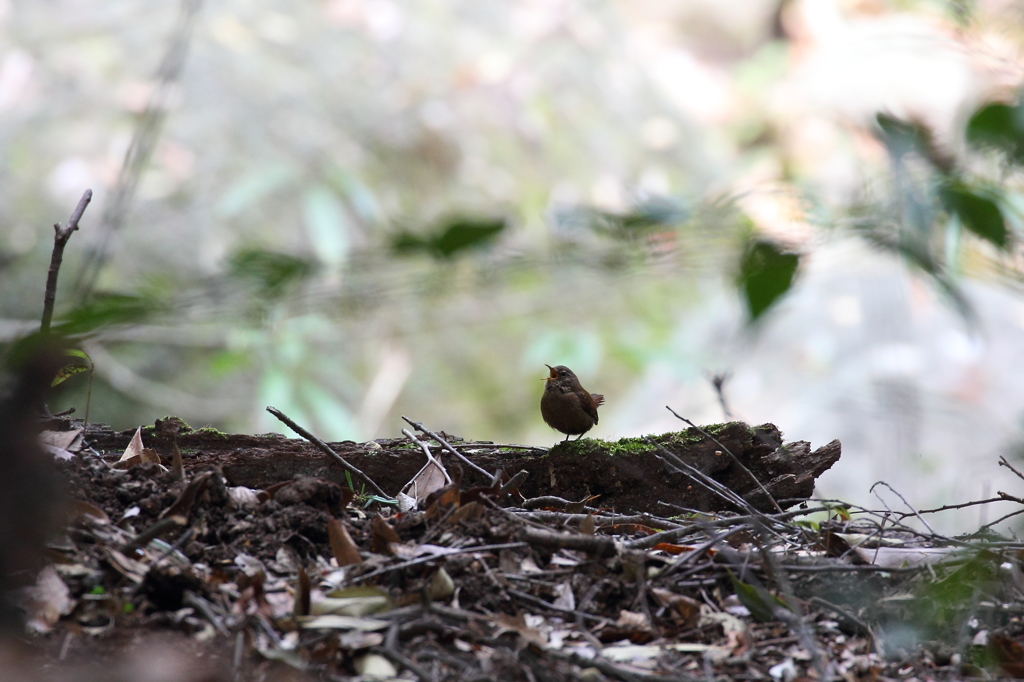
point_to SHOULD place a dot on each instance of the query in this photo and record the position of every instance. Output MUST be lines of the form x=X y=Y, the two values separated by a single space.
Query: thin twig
x=1001 y=519
x=718 y=383
x=496 y=446
x=60 y=240
x=144 y=140
x=734 y=458
x=1003 y=497
x=326 y=449
x=436 y=557
x=909 y=506
x=430 y=457
x=1004 y=463
x=419 y=427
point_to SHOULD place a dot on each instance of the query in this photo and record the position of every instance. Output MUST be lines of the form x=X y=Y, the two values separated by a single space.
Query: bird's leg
x=577 y=437
x=566 y=438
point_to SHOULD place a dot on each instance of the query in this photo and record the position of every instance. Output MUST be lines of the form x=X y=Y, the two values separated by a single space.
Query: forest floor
x=261 y=558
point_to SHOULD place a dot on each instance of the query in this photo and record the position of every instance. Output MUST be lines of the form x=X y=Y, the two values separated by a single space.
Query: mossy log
x=630 y=475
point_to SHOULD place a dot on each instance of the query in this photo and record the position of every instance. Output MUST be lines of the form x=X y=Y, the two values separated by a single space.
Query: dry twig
x=326 y=449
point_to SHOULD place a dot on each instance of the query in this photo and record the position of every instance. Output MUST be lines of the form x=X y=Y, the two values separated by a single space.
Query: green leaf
x=105 y=310
x=760 y=602
x=464 y=234
x=453 y=237
x=273 y=273
x=75 y=353
x=998 y=126
x=978 y=213
x=67 y=372
x=766 y=273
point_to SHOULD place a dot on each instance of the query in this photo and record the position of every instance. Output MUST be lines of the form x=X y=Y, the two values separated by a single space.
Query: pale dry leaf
x=46 y=601
x=564 y=596
x=134 y=448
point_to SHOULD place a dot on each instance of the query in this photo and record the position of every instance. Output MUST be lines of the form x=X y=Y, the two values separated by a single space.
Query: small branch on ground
x=60 y=240
x=909 y=506
x=734 y=458
x=419 y=427
x=326 y=449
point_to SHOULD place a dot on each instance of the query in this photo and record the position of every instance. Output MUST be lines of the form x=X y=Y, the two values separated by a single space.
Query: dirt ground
x=263 y=560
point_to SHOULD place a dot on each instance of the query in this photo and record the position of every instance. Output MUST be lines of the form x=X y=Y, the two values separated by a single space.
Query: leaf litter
x=307 y=579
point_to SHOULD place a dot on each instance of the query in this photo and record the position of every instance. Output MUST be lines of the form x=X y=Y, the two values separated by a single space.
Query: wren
x=566 y=406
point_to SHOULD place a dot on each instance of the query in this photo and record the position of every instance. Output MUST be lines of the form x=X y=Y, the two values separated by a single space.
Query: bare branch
x=326 y=449
x=60 y=240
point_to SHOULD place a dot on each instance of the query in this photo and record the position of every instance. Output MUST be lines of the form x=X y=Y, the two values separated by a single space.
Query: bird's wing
x=590 y=406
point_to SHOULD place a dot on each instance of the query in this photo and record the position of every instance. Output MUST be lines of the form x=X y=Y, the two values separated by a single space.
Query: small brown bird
x=566 y=406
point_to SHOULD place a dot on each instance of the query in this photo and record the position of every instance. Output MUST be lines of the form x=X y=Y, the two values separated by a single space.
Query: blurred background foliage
x=356 y=209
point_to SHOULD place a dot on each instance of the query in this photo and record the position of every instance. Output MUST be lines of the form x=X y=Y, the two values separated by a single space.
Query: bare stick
x=718 y=382
x=734 y=458
x=909 y=506
x=1003 y=497
x=60 y=240
x=326 y=449
x=419 y=427
x=1004 y=463
x=430 y=457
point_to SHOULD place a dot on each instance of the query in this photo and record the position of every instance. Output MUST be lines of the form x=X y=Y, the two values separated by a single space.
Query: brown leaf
x=342 y=547
x=177 y=466
x=79 y=508
x=440 y=501
x=183 y=505
x=686 y=610
x=466 y=511
x=1009 y=653
x=517 y=624
x=587 y=525
x=301 y=607
x=383 y=536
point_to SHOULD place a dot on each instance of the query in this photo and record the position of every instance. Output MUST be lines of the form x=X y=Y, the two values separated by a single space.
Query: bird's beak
x=554 y=374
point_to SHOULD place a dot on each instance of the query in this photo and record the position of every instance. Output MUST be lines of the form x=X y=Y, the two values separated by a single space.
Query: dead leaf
x=564 y=597
x=177 y=466
x=343 y=548
x=517 y=624
x=79 y=508
x=134 y=448
x=466 y=511
x=1009 y=653
x=46 y=601
x=631 y=620
x=241 y=497
x=382 y=536
x=301 y=607
x=375 y=666
x=358 y=601
x=183 y=505
x=686 y=610
x=430 y=478
x=441 y=585
x=440 y=501
x=587 y=525
x=62 y=444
